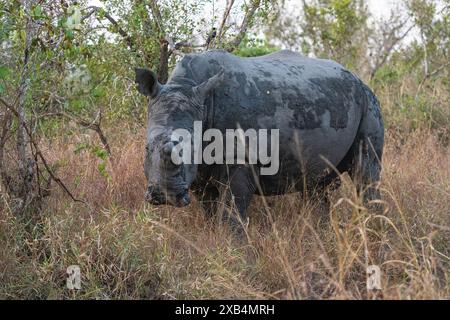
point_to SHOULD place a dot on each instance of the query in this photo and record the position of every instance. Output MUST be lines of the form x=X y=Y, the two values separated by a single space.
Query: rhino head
x=171 y=107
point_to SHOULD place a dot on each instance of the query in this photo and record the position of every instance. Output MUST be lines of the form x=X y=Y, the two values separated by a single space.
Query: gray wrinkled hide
x=321 y=109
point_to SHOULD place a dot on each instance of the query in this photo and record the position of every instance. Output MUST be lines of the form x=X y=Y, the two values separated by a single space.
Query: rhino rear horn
x=206 y=87
x=147 y=82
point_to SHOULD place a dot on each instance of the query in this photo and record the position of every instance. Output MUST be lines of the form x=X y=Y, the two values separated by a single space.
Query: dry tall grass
x=294 y=250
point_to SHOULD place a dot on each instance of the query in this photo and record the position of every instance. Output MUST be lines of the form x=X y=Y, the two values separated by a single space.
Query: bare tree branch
x=156 y=12
x=388 y=43
x=116 y=24
x=164 y=53
x=24 y=159
x=249 y=14
x=41 y=156
x=225 y=16
x=93 y=125
x=6 y=133
x=432 y=74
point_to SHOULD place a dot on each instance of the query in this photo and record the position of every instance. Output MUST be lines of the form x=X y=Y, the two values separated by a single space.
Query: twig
x=41 y=156
x=6 y=124
x=429 y=75
x=225 y=16
x=120 y=30
x=95 y=126
x=389 y=42
x=255 y=4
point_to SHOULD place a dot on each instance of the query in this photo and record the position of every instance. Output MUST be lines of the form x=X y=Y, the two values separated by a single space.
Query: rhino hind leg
x=363 y=161
x=363 y=164
x=367 y=152
x=367 y=172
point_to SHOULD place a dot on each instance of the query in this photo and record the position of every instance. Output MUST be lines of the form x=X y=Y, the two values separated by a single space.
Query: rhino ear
x=203 y=89
x=147 y=82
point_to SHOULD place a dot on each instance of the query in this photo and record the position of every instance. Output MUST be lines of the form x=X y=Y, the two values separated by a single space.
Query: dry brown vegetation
x=63 y=85
x=294 y=249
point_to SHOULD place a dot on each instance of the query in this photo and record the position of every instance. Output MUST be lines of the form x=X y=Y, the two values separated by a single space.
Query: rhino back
x=281 y=86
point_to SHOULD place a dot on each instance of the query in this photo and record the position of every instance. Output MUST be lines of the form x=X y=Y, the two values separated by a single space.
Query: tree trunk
x=163 y=67
x=25 y=160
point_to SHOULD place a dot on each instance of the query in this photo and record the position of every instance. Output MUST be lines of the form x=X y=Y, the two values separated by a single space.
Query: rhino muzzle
x=156 y=197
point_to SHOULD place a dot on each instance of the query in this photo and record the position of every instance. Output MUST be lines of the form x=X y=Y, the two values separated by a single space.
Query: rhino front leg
x=208 y=198
x=228 y=195
x=236 y=193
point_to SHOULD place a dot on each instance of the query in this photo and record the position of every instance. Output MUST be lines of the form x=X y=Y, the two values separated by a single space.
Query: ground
x=294 y=249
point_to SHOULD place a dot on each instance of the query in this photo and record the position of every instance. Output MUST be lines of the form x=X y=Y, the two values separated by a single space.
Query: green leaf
x=80 y=147
x=78 y=105
x=69 y=34
x=99 y=152
x=102 y=169
x=2 y=88
x=99 y=92
x=4 y=72
x=37 y=12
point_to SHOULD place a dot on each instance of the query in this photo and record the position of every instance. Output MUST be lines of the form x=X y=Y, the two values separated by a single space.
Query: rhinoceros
x=328 y=122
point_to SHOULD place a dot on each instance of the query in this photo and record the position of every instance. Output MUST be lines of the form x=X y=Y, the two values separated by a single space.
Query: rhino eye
x=167 y=159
